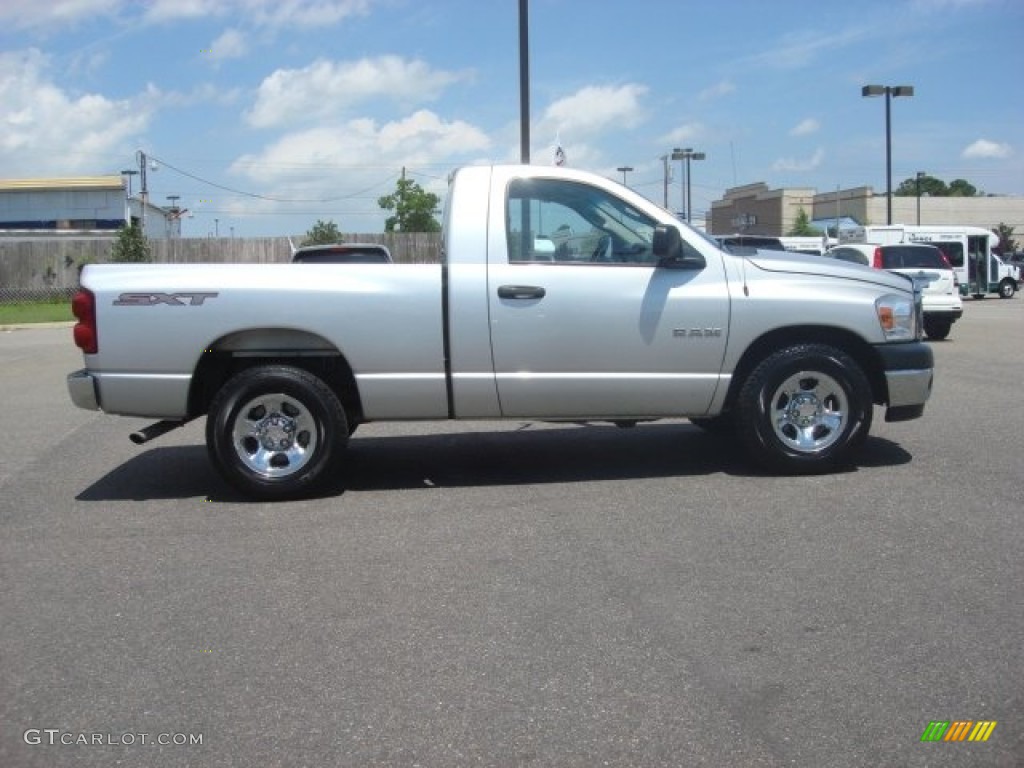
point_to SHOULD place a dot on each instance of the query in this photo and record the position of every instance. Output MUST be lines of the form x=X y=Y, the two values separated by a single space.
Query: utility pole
x=400 y=204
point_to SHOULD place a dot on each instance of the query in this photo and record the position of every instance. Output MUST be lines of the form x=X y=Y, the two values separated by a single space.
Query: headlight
x=899 y=316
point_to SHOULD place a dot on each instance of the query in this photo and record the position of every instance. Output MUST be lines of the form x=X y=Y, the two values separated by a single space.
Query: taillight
x=83 y=307
x=877 y=263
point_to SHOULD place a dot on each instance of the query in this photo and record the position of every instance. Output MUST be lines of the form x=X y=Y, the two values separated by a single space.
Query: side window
x=564 y=222
x=953 y=251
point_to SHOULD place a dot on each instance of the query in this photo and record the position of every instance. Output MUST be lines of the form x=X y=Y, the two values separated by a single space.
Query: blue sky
x=266 y=115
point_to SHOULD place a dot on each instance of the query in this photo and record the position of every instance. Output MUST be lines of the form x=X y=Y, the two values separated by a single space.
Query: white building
x=92 y=206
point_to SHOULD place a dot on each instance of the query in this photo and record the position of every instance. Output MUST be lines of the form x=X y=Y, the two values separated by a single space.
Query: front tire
x=1007 y=288
x=275 y=431
x=804 y=409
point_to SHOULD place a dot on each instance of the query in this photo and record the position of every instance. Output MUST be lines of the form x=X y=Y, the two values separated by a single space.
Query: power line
x=268 y=198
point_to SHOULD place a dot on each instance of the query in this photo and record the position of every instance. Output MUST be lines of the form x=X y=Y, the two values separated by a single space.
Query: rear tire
x=276 y=432
x=804 y=409
x=937 y=329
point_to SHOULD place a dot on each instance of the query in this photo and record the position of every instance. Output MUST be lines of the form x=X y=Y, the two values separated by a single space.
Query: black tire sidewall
x=322 y=404
x=937 y=329
x=754 y=424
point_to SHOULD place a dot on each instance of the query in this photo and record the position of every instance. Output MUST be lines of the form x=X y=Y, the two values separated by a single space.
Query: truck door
x=584 y=324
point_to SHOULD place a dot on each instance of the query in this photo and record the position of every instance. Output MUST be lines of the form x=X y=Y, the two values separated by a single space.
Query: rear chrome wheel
x=274 y=435
x=276 y=431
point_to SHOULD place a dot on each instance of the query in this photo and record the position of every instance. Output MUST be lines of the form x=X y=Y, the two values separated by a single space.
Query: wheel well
x=238 y=352
x=780 y=338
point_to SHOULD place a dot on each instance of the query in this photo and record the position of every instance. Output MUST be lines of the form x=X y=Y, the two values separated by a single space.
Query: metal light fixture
x=686 y=155
x=888 y=91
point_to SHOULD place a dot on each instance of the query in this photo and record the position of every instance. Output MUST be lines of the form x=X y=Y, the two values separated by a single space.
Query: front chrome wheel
x=804 y=408
x=809 y=410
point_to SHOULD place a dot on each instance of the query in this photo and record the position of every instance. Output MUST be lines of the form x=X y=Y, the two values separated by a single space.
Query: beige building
x=757 y=210
x=754 y=209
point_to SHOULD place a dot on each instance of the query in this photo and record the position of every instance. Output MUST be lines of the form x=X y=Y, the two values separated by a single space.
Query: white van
x=817 y=244
x=968 y=249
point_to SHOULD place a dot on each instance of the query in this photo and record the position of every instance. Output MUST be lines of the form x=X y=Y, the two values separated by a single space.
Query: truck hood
x=808 y=264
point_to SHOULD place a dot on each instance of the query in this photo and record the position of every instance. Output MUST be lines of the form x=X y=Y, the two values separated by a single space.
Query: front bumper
x=909 y=371
x=953 y=313
x=82 y=388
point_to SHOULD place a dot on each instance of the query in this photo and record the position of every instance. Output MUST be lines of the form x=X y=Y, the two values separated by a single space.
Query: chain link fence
x=34 y=295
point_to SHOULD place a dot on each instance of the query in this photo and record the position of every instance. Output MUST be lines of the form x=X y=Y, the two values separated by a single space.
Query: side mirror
x=669 y=250
x=667 y=245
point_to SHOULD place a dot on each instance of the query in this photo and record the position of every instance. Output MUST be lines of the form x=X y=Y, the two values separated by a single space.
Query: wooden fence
x=44 y=267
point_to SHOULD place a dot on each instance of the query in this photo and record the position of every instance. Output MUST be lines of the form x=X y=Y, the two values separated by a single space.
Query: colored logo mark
x=958 y=730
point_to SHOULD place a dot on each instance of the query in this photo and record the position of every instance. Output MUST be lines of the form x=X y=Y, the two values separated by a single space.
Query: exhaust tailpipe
x=154 y=431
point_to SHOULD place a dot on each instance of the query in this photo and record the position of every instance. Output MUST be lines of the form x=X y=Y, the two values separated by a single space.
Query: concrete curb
x=30 y=326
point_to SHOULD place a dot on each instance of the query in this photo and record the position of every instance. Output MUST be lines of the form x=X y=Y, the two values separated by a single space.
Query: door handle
x=520 y=292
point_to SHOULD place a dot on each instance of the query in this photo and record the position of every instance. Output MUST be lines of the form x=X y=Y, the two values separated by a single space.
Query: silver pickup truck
x=561 y=296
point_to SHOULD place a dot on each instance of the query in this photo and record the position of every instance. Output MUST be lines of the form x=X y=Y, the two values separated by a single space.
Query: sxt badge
x=172 y=299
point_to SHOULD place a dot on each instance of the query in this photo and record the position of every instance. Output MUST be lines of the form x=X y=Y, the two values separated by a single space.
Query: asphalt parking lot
x=511 y=594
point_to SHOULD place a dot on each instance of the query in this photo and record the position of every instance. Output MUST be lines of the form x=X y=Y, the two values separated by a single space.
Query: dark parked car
x=741 y=244
x=342 y=253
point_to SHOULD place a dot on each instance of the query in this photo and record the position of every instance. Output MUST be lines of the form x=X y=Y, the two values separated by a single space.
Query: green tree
x=413 y=208
x=962 y=188
x=930 y=186
x=802 y=226
x=323 y=233
x=933 y=187
x=130 y=246
x=1006 y=242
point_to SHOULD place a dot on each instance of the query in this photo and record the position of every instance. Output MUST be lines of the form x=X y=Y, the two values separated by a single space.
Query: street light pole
x=684 y=184
x=624 y=169
x=920 y=175
x=689 y=179
x=680 y=155
x=524 y=82
x=888 y=91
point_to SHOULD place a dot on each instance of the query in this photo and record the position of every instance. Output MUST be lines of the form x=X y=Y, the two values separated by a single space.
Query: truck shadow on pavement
x=468 y=459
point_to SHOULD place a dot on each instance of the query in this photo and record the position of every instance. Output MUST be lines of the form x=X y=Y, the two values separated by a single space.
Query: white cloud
x=594 y=109
x=719 y=89
x=37 y=116
x=805 y=127
x=308 y=157
x=682 y=135
x=326 y=89
x=202 y=93
x=260 y=13
x=791 y=164
x=24 y=14
x=231 y=44
x=302 y=13
x=987 y=149
x=803 y=48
